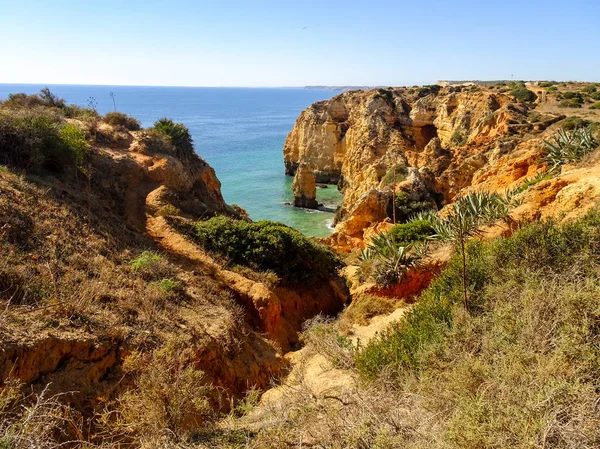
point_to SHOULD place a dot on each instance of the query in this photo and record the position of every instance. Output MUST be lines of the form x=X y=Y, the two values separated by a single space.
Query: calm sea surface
x=239 y=131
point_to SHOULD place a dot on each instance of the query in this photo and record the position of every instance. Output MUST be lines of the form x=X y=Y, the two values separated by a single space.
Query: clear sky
x=296 y=43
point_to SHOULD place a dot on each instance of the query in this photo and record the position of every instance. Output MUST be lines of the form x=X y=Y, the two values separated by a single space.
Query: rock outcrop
x=304 y=188
x=447 y=139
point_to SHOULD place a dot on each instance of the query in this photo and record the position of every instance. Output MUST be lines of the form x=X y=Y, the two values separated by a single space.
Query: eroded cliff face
x=445 y=141
x=74 y=309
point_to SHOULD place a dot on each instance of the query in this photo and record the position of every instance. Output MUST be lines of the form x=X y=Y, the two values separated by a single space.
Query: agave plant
x=390 y=260
x=566 y=147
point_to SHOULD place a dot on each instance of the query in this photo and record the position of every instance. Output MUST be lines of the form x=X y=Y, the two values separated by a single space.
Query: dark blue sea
x=239 y=131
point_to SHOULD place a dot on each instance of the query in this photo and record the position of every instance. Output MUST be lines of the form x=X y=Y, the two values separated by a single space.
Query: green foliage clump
x=552 y=89
x=589 y=89
x=168 y=286
x=572 y=100
x=595 y=96
x=544 y=251
x=385 y=94
x=568 y=147
x=120 y=119
x=385 y=261
x=547 y=84
x=266 y=245
x=574 y=122
x=459 y=138
x=400 y=171
x=595 y=105
x=144 y=261
x=178 y=134
x=38 y=137
x=74 y=142
x=406 y=206
x=522 y=94
x=530 y=182
x=411 y=232
x=427 y=90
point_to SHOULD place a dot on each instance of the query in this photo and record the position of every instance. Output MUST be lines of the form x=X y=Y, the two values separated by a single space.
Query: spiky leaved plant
x=465 y=218
x=565 y=147
x=391 y=260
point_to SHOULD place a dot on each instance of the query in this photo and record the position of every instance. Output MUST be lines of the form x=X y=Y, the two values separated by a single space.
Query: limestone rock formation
x=304 y=188
x=448 y=141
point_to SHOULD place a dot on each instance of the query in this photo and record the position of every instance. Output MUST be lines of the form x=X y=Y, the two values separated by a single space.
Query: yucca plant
x=465 y=218
x=566 y=147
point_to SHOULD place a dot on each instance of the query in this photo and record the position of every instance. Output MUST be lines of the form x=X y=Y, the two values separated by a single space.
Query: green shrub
x=459 y=138
x=120 y=119
x=38 y=137
x=266 y=245
x=388 y=178
x=385 y=261
x=574 y=122
x=427 y=90
x=595 y=105
x=552 y=89
x=144 y=261
x=413 y=231
x=522 y=94
x=178 y=134
x=407 y=207
x=74 y=141
x=547 y=84
x=542 y=250
x=589 y=89
x=596 y=96
x=385 y=94
x=168 y=211
x=168 y=286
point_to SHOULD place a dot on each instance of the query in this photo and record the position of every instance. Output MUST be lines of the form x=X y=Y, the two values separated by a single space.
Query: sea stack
x=305 y=188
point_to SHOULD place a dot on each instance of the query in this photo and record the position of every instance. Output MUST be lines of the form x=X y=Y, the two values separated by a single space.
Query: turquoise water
x=239 y=131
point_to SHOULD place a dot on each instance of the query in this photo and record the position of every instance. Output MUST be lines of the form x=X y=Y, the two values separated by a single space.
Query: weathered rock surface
x=450 y=141
x=304 y=188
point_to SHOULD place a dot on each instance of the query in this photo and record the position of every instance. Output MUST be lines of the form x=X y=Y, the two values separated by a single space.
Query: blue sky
x=264 y=43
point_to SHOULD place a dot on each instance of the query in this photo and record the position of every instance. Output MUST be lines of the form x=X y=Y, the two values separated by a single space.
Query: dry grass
x=520 y=371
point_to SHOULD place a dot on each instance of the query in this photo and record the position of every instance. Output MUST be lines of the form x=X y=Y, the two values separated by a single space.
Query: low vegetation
x=518 y=370
x=40 y=138
x=121 y=119
x=385 y=261
x=267 y=246
x=178 y=134
x=520 y=92
x=568 y=147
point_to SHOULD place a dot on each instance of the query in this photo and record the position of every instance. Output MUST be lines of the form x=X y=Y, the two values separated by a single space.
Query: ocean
x=240 y=132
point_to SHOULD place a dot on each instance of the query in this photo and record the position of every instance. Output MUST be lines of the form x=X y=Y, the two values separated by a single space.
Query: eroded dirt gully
x=86 y=364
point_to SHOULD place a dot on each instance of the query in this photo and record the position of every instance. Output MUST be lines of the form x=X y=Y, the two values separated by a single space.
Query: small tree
x=466 y=217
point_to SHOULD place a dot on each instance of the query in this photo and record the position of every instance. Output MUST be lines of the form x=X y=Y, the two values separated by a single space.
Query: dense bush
x=596 y=96
x=589 y=89
x=178 y=134
x=120 y=119
x=541 y=250
x=522 y=94
x=386 y=94
x=266 y=245
x=414 y=231
x=427 y=90
x=38 y=137
x=595 y=106
x=406 y=206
